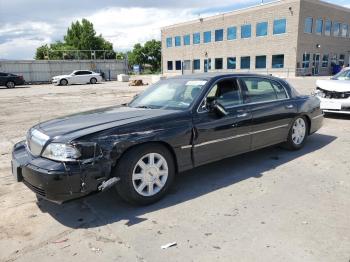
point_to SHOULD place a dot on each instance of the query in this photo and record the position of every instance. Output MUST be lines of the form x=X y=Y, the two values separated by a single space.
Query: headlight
x=319 y=93
x=61 y=152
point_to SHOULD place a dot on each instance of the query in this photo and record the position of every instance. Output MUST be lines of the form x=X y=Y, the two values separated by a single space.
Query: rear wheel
x=93 y=81
x=10 y=84
x=297 y=134
x=63 y=82
x=146 y=172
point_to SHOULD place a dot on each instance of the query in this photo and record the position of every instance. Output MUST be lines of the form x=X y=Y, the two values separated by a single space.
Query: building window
x=341 y=59
x=219 y=35
x=187 y=40
x=232 y=33
x=306 y=60
x=279 y=26
x=260 y=62
x=261 y=29
x=177 y=41
x=186 y=65
x=334 y=60
x=207 y=37
x=246 y=31
x=245 y=62
x=344 y=30
x=308 y=25
x=328 y=27
x=336 y=29
x=170 y=65
x=278 y=61
x=196 y=38
x=319 y=26
x=325 y=61
x=231 y=63
x=196 y=64
x=169 y=42
x=218 y=63
x=178 y=65
x=207 y=64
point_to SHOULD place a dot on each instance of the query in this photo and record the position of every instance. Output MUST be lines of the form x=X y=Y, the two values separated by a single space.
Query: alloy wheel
x=299 y=131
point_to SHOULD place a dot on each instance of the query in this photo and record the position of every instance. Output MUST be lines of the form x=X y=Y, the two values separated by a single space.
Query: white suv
x=77 y=77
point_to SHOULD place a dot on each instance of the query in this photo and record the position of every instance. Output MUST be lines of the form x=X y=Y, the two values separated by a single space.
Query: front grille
x=36 y=190
x=335 y=95
x=36 y=141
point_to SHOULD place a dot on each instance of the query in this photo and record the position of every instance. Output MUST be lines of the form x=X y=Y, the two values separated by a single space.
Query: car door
x=85 y=77
x=75 y=79
x=271 y=108
x=3 y=78
x=218 y=137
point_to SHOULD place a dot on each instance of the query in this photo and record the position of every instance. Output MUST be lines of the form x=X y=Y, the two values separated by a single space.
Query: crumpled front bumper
x=335 y=105
x=55 y=181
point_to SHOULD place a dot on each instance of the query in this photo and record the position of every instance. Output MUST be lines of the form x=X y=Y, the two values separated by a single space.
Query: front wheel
x=297 y=134
x=63 y=82
x=146 y=173
x=10 y=84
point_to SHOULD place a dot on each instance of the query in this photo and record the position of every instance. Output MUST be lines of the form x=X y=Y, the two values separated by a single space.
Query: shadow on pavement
x=106 y=208
x=17 y=87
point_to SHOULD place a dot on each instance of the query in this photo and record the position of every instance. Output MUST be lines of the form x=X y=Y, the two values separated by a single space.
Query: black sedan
x=10 y=80
x=175 y=125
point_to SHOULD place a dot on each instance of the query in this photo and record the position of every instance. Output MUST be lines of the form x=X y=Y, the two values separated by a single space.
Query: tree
x=148 y=54
x=80 y=36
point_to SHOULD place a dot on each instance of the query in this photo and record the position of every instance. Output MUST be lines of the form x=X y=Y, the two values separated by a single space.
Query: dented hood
x=77 y=125
x=334 y=85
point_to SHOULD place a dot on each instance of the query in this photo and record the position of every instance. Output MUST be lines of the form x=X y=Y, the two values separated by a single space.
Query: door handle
x=289 y=106
x=242 y=115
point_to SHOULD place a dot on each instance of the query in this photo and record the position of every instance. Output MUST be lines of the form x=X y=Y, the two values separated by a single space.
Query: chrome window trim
x=244 y=104
x=233 y=137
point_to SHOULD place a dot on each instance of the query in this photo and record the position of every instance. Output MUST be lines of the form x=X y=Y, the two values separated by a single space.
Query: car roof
x=213 y=76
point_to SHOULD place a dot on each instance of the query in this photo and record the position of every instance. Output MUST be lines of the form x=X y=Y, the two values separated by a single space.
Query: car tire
x=63 y=82
x=10 y=84
x=298 y=134
x=93 y=81
x=141 y=182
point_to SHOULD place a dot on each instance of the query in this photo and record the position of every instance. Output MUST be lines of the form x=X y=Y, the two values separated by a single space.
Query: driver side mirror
x=216 y=107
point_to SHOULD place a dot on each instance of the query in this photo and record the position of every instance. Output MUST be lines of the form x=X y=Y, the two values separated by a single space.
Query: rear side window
x=262 y=90
x=3 y=74
x=85 y=73
x=280 y=91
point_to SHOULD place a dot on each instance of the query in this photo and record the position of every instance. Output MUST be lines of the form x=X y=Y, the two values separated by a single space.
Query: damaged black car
x=174 y=125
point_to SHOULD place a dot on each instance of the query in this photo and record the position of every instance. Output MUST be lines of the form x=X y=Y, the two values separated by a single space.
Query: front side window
x=218 y=63
x=207 y=37
x=170 y=65
x=245 y=62
x=260 y=62
x=196 y=64
x=187 y=40
x=262 y=90
x=219 y=35
x=325 y=60
x=177 y=41
x=278 y=61
x=176 y=94
x=319 y=26
x=279 y=26
x=328 y=27
x=306 y=60
x=196 y=38
x=231 y=63
x=344 y=31
x=246 y=31
x=261 y=29
x=169 y=42
x=336 y=29
x=178 y=65
x=232 y=33
x=308 y=25
x=227 y=93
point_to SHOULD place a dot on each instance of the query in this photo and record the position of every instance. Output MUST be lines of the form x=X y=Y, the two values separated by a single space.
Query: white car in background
x=335 y=93
x=77 y=77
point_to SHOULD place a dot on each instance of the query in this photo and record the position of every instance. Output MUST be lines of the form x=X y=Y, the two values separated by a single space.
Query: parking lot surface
x=269 y=205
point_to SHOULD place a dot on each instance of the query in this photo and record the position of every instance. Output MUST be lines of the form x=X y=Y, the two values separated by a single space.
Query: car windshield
x=343 y=75
x=176 y=94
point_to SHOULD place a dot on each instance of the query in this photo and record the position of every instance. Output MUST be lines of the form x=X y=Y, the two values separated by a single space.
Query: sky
x=28 y=24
